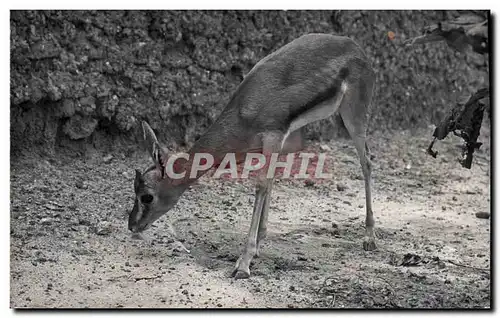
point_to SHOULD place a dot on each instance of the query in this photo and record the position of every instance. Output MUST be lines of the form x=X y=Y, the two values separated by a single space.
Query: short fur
x=306 y=80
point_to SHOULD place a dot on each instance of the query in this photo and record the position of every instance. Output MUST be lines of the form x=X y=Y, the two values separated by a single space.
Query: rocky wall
x=89 y=77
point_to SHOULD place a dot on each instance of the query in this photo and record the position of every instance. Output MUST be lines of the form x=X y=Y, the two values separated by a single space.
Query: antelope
x=304 y=81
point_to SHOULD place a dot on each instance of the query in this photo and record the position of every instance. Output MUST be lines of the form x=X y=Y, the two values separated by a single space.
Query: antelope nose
x=133 y=227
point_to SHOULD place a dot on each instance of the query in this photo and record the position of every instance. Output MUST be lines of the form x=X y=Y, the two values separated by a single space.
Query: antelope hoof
x=241 y=274
x=369 y=244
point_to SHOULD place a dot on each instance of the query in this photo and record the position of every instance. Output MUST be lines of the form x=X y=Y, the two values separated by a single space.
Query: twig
x=114 y=279
x=468 y=266
x=145 y=278
x=179 y=243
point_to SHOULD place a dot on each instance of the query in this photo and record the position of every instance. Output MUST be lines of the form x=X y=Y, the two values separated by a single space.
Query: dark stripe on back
x=324 y=95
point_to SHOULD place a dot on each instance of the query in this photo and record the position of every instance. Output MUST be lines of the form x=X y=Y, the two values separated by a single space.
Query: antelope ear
x=153 y=147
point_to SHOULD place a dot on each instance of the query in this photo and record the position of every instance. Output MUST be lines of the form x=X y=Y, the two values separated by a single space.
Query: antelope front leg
x=261 y=235
x=271 y=143
x=242 y=268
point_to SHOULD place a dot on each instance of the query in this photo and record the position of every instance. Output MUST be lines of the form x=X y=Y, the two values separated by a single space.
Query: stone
x=103 y=228
x=79 y=127
x=483 y=215
x=68 y=108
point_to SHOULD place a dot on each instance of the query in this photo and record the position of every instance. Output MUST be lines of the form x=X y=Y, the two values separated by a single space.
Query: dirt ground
x=70 y=246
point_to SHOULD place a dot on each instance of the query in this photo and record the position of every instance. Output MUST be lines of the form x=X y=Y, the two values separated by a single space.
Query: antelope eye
x=146 y=198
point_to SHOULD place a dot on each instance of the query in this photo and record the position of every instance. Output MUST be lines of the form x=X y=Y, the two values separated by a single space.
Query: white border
x=186 y=4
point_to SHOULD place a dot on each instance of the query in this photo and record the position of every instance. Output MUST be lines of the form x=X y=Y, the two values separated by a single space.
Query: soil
x=70 y=247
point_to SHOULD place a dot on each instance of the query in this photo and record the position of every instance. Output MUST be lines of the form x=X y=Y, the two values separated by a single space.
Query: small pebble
x=45 y=221
x=103 y=228
x=126 y=174
x=108 y=158
x=309 y=183
x=341 y=187
x=325 y=148
x=483 y=215
x=80 y=184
